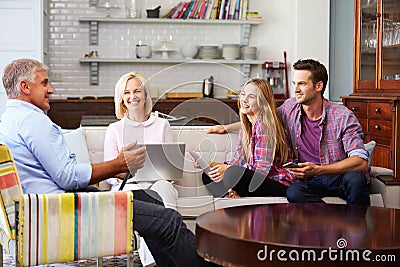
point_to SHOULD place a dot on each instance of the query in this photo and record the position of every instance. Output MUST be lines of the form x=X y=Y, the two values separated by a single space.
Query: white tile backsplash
x=69 y=41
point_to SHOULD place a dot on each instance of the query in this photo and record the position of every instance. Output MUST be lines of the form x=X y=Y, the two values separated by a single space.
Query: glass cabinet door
x=390 y=69
x=368 y=41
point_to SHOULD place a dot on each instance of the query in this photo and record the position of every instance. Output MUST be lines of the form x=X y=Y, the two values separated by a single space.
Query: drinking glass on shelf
x=372 y=37
x=396 y=36
x=388 y=33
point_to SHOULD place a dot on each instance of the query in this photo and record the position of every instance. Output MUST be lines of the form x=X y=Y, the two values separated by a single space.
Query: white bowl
x=189 y=51
x=143 y=51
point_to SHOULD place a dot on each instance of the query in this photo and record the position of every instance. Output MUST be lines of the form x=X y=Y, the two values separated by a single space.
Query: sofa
x=193 y=197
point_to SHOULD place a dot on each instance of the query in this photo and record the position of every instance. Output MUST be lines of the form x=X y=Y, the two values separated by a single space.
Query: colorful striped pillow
x=71 y=226
x=10 y=190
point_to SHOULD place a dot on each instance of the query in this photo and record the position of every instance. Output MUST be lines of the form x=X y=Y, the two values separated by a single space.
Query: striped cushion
x=68 y=227
x=10 y=190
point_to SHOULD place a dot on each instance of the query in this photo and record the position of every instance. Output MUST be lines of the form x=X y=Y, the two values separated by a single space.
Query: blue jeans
x=351 y=186
x=167 y=237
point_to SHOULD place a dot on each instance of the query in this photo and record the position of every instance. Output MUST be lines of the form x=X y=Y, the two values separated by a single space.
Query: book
x=231 y=14
x=188 y=9
x=210 y=7
x=193 y=9
x=241 y=10
x=183 y=10
x=202 y=10
x=245 y=8
x=227 y=8
x=253 y=15
x=218 y=4
x=237 y=9
x=222 y=9
x=178 y=10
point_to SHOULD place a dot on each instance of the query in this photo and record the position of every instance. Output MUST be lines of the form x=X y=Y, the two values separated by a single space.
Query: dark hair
x=318 y=71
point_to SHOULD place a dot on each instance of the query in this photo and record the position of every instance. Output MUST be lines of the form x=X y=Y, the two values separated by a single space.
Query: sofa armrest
x=71 y=226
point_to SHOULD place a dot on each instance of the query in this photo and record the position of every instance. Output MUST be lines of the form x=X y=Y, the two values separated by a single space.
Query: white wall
x=22 y=39
x=300 y=27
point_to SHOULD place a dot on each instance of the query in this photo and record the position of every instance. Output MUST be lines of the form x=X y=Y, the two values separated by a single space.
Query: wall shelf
x=94 y=63
x=245 y=26
x=171 y=61
x=167 y=21
x=94 y=25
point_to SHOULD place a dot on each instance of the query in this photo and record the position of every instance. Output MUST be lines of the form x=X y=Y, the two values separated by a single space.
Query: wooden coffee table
x=300 y=234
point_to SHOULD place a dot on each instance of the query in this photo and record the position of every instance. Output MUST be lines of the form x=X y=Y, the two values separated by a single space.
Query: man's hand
x=217 y=129
x=134 y=157
x=217 y=171
x=306 y=170
x=130 y=159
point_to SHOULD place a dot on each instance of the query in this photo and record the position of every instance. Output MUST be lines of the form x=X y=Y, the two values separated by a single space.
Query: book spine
x=218 y=9
x=222 y=9
x=194 y=9
x=188 y=9
x=237 y=9
x=245 y=8
x=210 y=7
x=177 y=10
x=183 y=11
x=231 y=14
x=202 y=10
x=227 y=8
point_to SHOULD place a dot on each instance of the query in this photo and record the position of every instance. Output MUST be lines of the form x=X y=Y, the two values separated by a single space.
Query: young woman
x=256 y=168
x=133 y=107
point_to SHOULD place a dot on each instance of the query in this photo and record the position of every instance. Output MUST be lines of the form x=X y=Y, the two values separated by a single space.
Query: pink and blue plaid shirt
x=261 y=156
x=341 y=133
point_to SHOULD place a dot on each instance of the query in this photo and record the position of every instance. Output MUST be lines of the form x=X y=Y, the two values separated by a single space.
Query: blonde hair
x=275 y=130
x=120 y=86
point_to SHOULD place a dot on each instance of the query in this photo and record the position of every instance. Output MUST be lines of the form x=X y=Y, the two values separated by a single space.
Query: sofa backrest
x=214 y=147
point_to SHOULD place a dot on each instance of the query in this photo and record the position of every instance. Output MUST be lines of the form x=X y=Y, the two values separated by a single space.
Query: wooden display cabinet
x=376 y=93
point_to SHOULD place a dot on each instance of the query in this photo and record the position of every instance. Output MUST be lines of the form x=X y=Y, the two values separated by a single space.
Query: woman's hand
x=196 y=165
x=217 y=171
x=217 y=129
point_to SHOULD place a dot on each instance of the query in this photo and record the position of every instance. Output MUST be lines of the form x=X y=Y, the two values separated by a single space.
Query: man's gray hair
x=18 y=70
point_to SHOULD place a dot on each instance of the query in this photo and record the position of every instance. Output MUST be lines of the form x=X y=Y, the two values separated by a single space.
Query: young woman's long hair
x=277 y=139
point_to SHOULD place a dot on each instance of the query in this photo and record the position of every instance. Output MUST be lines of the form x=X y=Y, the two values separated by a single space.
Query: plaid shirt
x=261 y=156
x=341 y=133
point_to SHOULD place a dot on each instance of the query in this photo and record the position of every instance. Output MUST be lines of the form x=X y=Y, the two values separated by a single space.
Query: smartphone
x=290 y=165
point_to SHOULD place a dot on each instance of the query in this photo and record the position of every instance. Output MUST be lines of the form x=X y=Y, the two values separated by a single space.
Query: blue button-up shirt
x=44 y=162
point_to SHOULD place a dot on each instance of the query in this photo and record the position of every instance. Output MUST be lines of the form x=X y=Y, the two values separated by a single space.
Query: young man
x=46 y=165
x=326 y=138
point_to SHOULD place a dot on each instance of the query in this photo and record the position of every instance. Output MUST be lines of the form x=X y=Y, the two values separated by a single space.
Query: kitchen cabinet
x=67 y=113
x=376 y=92
x=245 y=27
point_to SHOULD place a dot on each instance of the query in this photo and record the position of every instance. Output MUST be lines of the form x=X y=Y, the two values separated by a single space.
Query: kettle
x=208 y=87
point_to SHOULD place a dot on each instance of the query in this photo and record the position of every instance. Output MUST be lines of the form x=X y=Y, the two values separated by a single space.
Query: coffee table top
x=222 y=234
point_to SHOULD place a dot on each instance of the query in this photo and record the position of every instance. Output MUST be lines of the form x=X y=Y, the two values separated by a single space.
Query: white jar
x=131 y=9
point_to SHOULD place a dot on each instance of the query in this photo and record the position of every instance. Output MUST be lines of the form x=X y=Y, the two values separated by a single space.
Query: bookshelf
x=94 y=22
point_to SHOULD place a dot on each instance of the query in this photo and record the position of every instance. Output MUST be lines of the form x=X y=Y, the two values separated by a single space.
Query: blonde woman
x=263 y=147
x=133 y=107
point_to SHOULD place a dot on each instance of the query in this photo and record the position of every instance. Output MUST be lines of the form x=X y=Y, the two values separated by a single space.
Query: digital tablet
x=203 y=164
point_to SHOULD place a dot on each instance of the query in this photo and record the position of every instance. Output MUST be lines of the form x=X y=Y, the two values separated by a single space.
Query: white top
x=155 y=130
